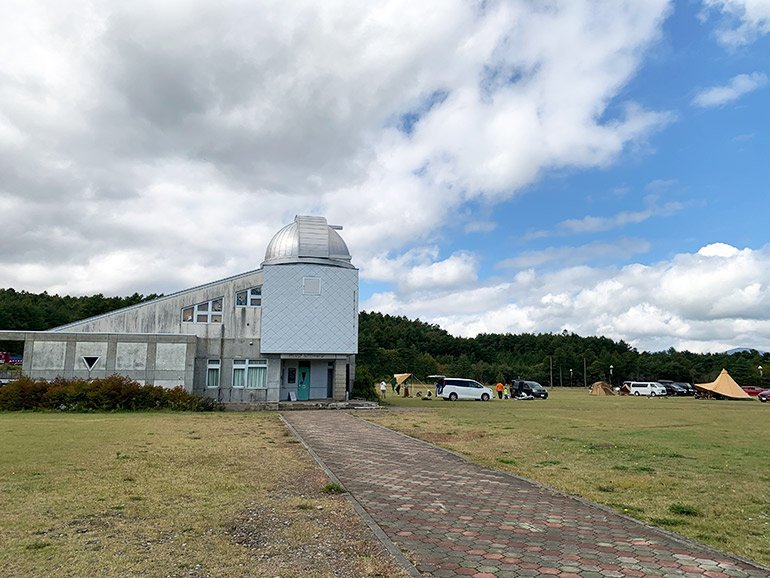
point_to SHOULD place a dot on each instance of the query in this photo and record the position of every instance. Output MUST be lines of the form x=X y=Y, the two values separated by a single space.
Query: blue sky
x=499 y=166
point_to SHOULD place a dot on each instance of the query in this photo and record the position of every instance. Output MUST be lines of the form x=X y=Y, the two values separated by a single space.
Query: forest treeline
x=390 y=344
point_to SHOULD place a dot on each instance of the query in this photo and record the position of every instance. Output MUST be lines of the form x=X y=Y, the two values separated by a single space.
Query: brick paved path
x=452 y=518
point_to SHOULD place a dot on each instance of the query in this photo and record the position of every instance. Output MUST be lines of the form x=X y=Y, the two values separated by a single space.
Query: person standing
x=383 y=389
x=499 y=387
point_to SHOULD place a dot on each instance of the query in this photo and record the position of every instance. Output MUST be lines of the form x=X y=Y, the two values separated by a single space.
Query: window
x=251 y=373
x=206 y=312
x=249 y=297
x=311 y=285
x=212 y=373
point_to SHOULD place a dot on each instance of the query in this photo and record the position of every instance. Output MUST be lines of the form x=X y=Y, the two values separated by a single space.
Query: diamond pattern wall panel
x=293 y=322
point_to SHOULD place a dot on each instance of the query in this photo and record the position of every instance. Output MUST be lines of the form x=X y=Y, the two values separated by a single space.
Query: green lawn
x=171 y=494
x=695 y=467
x=227 y=494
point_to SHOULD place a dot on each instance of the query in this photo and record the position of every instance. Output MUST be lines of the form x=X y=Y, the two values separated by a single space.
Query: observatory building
x=286 y=331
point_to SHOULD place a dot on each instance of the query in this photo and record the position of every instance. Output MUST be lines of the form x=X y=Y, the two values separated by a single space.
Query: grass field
x=225 y=494
x=699 y=468
x=160 y=494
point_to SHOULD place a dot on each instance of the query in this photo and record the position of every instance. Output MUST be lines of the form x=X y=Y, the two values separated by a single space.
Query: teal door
x=303 y=382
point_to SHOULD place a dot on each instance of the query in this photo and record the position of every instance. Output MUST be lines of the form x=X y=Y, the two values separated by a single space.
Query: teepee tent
x=601 y=388
x=725 y=386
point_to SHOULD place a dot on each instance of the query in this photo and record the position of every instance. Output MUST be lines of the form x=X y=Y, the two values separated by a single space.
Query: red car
x=752 y=389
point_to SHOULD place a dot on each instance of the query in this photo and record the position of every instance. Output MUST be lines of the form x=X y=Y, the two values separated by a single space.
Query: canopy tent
x=724 y=386
x=411 y=385
x=601 y=388
x=402 y=379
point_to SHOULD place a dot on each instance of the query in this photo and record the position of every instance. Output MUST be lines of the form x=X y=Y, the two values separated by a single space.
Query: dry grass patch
x=653 y=459
x=225 y=495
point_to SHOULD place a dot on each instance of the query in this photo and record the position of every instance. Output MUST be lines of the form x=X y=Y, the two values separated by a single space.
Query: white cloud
x=419 y=270
x=745 y=20
x=480 y=227
x=595 y=224
x=711 y=300
x=718 y=250
x=732 y=91
x=191 y=134
x=620 y=249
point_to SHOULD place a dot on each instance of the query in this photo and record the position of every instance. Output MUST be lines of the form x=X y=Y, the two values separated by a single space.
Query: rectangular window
x=311 y=285
x=250 y=373
x=239 y=372
x=212 y=373
x=206 y=312
x=249 y=297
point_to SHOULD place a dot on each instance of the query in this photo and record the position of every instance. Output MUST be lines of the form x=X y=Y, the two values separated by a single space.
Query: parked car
x=650 y=388
x=688 y=388
x=672 y=388
x=533 y=388
x=458 y=388
x=764 y=396
x=752 y=389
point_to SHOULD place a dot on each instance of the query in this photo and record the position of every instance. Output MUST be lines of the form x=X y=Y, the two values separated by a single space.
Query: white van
x=650 y=388
x=455 y=388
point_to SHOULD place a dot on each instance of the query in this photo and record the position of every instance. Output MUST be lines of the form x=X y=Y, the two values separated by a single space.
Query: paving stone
x=454 y=518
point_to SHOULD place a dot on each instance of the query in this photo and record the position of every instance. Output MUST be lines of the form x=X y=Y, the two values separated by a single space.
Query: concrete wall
x=166 y=360
x=295 y=321
x=164 y=315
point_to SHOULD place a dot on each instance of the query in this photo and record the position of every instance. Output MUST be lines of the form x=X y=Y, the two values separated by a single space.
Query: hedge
x=113 y=393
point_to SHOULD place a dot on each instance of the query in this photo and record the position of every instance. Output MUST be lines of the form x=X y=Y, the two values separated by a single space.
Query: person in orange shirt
x=499 y=387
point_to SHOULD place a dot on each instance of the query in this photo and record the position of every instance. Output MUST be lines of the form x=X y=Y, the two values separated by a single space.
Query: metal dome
x=308 y=239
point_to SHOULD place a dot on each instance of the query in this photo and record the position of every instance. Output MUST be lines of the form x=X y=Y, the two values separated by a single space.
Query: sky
x=498 y=166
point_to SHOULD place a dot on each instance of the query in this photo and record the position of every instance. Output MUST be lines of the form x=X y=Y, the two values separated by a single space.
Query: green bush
x=364 y=387
x=112 y=393
x=22 y=393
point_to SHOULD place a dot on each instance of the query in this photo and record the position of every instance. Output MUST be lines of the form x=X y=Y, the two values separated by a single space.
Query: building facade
x=286 y=331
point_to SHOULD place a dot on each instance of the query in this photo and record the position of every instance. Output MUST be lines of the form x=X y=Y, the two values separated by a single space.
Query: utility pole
x=550 y=360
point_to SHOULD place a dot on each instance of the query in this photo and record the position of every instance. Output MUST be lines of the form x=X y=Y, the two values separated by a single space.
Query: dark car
x=687 y=387
x=752 y=389
x=764 y=396
x=533 y=388
x=672 y=388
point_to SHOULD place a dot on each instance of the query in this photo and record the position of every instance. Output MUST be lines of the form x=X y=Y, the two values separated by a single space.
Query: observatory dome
x=308 y=239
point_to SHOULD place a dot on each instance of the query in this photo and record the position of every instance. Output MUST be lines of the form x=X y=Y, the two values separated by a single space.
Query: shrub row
x=113 y=393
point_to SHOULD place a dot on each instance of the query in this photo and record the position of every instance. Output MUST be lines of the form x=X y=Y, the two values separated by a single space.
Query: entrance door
x=303 y=381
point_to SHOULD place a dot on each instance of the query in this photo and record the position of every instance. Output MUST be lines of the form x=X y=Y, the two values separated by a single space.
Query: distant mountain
x=742 y=350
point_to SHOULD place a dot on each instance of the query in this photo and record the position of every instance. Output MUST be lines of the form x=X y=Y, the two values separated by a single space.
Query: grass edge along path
x=694 y=467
